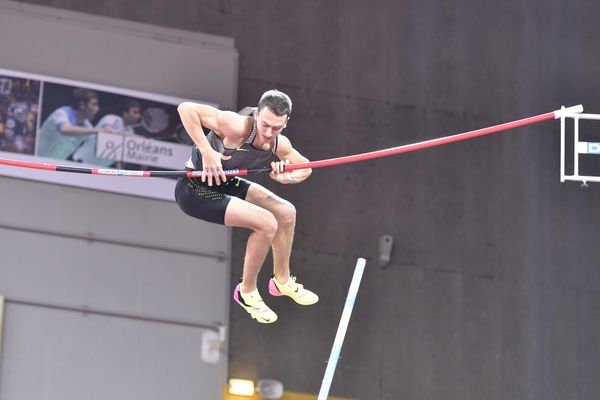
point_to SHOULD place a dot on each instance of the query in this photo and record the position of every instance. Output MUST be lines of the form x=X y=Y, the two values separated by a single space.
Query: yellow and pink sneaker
x=254 y=305
x=292 y=289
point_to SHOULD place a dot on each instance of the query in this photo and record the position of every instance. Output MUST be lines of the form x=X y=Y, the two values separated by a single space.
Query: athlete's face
x=269 y=125
x=91 y=108
x=132 y=116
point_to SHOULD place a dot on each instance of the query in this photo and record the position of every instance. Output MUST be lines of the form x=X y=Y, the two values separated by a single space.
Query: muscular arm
x=288 y=155
x=74 y=130
x=225 y=124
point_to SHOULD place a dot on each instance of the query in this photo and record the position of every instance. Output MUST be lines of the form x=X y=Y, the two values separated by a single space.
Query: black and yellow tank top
x=245 y=156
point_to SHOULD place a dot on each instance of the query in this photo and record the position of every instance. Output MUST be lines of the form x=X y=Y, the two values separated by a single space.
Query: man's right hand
x=212 y=167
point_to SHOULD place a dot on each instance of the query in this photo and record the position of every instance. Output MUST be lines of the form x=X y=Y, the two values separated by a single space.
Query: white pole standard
x=342 y=327
x=568 y=111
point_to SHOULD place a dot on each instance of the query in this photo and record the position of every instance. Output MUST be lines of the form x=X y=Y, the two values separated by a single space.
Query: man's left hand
x=278 y=172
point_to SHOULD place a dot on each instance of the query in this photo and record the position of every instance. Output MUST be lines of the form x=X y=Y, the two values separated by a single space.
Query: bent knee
x=267 y=225
x=287 y=214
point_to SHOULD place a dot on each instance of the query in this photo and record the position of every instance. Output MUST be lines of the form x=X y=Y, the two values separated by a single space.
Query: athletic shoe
x=292 y=289
x=254 y=304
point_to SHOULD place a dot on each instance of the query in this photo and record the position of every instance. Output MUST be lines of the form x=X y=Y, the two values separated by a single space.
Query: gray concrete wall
x=146 y=279
x=110 y=296
x=492 y=292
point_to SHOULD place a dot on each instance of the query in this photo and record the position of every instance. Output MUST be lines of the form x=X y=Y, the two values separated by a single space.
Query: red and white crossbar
x=562 y=114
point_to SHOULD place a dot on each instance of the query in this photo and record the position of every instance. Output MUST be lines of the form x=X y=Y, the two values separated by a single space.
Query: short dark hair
x=83 y=95
x=278 y=102
x=126 y=104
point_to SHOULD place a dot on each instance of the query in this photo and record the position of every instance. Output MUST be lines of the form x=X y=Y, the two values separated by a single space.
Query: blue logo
x=593 y=147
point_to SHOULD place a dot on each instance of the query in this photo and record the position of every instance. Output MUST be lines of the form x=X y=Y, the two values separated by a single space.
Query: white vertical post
x=342 y=327
x=1 y=321
x=562 y=145
x=576 y=146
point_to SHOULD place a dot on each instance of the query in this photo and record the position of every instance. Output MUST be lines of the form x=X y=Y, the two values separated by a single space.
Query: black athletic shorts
x=208 y=203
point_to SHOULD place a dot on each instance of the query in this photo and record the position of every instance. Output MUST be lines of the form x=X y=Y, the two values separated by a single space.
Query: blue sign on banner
x=593 y=148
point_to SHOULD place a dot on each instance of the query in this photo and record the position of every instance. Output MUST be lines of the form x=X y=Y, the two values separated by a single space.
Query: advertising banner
x=57 y=121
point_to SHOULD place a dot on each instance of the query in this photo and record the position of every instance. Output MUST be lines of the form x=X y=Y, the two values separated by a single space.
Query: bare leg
x=285 y=214
x=263 y=224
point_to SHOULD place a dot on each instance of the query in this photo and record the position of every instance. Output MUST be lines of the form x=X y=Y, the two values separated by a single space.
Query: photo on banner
x=126 y=132
x=48 y=120
x=19 y=105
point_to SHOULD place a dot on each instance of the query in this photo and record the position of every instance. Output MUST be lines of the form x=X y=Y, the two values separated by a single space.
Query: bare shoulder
x=231 y=120
x=284 y=144
x=223 y=123
x=231 y=124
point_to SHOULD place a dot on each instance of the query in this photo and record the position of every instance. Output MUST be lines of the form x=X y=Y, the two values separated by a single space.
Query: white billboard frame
x=156 y=188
